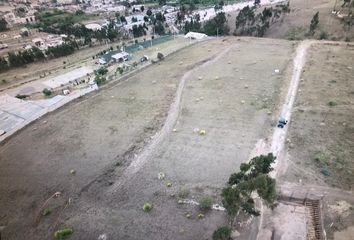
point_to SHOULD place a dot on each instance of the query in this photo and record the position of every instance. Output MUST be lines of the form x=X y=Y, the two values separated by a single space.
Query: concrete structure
x=16 y=113
x=68 y=77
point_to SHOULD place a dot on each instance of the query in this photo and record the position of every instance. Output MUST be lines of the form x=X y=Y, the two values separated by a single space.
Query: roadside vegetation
x=253 y=177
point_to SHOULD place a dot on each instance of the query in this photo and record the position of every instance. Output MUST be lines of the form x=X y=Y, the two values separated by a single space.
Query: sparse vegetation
x=183 y=193
x=249 y=23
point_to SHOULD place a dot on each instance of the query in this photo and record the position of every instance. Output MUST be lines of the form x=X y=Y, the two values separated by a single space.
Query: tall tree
x=314 y=23
x=252 y=177
x=3 y=25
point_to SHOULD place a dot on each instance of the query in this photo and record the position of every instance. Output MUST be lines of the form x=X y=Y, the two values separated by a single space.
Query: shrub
x=100 y=80
x=332 y=103
x=205 y=203
x=47 y=92
x=63 y=233
x=102 y=71
x=46 y=212
x=120 y=70
x=160 y=56
x=21 y=96
x=222 y=233
x=147 y=207
x=323 y=35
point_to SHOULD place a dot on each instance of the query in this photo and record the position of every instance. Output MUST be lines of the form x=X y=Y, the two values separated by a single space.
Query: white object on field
x=276 y=70
x=174 y=130
x=57 y=194
x=102 y=237
x=202 y=132
x=218 y=207
x=196 y=130
x=161 y=176
x=243 y=101
x=2 y=132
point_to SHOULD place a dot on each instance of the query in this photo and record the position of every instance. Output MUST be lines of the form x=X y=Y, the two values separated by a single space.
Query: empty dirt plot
x=231 y=91
x=322 y=131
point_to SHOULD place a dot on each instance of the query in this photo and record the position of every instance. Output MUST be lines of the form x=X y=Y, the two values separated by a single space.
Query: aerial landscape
x=183 y=120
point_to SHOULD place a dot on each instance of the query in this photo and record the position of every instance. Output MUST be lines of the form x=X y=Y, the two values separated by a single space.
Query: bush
x=160 y=56
x=184 y=193
x=102 y=71
x=332 y=104
x=47 y=92
x=46 y=212
x=323 y=35
x=147 y=207
x=205 y=203
x=60 y=234
x=21 y=96
x=222 y=233
x=100 y=80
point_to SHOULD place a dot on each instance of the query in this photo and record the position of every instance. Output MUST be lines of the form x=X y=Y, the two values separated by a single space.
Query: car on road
x=282 y=122
x=144 y=58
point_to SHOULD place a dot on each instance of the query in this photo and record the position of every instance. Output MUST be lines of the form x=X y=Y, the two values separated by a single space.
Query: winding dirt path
x=167 y=128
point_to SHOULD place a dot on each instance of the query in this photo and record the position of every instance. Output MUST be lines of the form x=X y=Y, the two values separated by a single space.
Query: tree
x=162 y=2
x=4 y=65
x=122 y=19
x=3 y=25
x=159 y=28
x=217 y=25
x=257 y=2
x=253 y=177
x=142 y=8
x=149 y=12
x=314 y=23
x=160 y=17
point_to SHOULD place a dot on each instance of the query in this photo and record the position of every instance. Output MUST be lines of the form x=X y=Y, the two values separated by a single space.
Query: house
x=121 y=57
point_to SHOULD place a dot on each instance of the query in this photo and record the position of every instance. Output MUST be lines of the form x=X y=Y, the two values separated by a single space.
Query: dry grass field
x=231 y=90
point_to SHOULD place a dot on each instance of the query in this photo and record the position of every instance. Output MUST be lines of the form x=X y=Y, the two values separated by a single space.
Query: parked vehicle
x=282 y=122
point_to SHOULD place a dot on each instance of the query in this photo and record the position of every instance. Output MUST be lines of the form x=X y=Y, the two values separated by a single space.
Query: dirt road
x=279 y=134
